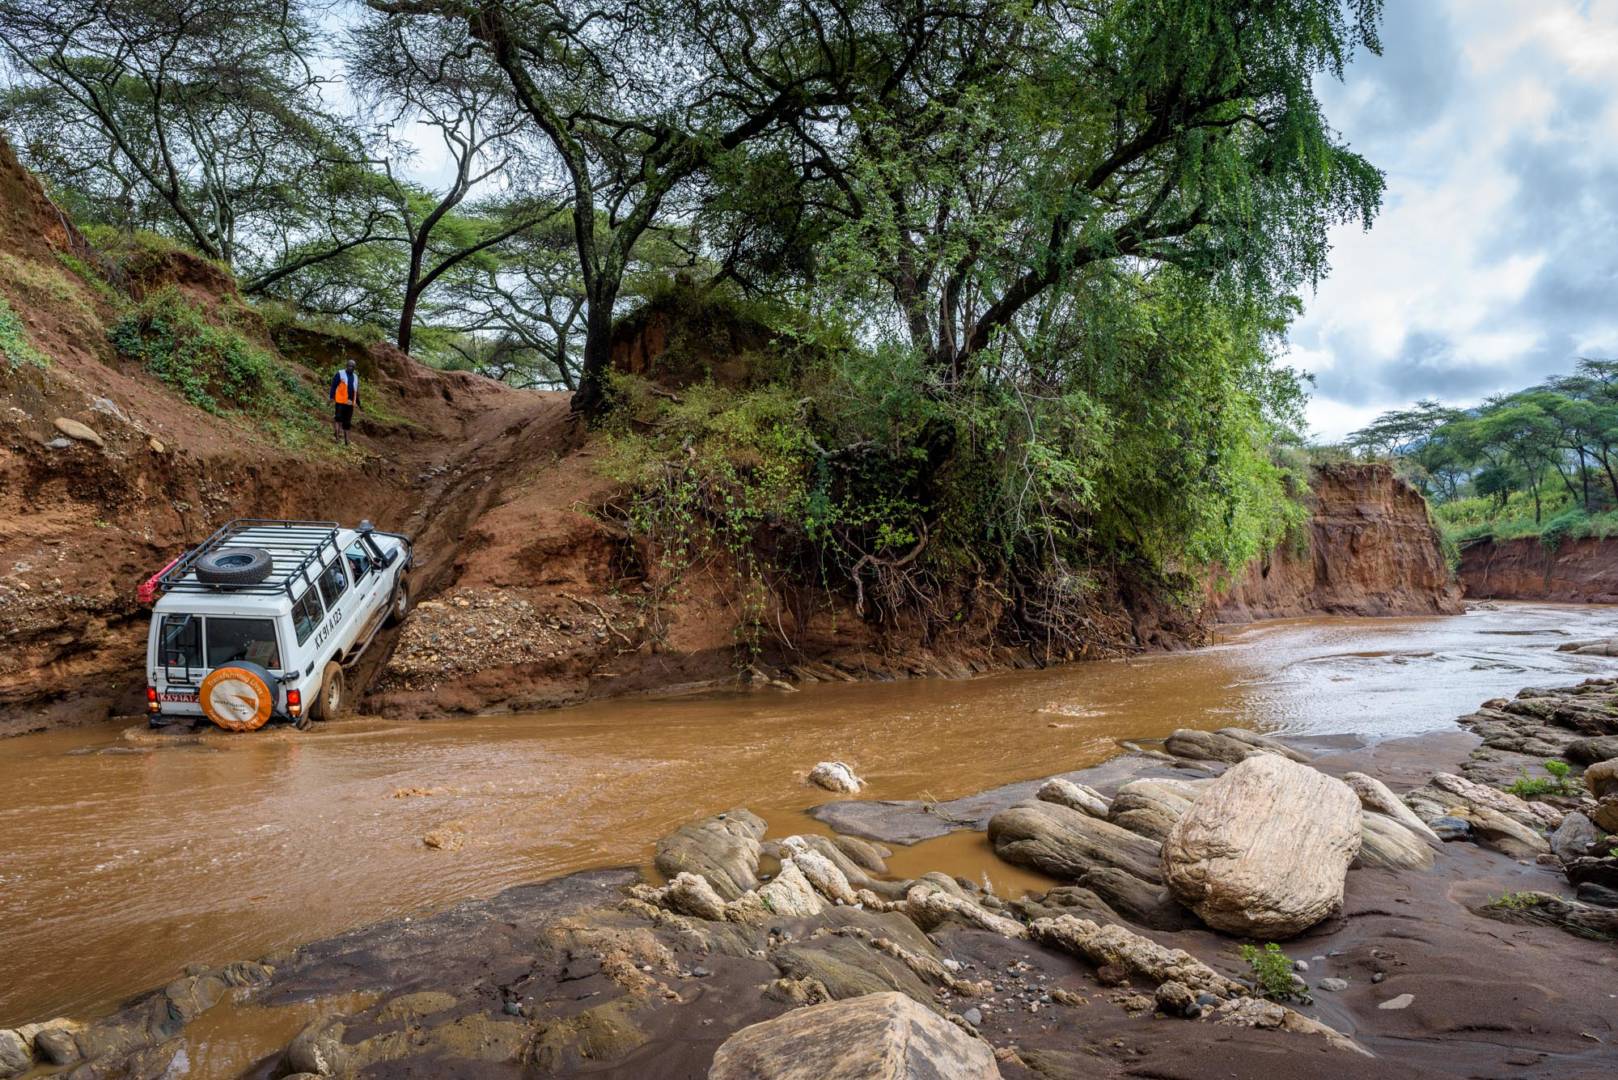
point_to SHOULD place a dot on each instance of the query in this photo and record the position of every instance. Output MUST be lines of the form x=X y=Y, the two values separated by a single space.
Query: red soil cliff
x=1575 y=571
x=1370 y=549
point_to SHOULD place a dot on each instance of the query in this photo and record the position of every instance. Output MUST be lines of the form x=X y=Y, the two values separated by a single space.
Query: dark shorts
x=345 y=416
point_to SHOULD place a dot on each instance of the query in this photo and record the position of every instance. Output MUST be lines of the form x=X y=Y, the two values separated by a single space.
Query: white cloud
x=1497 y=124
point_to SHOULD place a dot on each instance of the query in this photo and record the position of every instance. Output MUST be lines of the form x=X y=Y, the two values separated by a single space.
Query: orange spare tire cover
x=236 y=698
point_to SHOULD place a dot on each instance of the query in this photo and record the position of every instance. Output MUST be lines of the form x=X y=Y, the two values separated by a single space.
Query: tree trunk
x=590 y=399
x=407 y=319
x=412 y=294
x=1606 y=467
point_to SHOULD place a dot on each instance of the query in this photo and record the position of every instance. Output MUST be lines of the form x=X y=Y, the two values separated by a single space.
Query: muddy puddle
x=122 y=861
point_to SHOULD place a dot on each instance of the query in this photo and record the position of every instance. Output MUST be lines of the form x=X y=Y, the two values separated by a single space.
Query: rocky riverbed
x=1432 y=923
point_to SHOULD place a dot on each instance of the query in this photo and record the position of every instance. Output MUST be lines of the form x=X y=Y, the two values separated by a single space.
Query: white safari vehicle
x=263 y=617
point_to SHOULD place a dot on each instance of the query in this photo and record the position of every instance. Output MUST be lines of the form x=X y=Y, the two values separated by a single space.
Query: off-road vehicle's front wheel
x=330 y=699
x=399 y=606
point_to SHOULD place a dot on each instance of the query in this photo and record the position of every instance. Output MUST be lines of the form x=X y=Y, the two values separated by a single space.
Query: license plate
x=178 y=696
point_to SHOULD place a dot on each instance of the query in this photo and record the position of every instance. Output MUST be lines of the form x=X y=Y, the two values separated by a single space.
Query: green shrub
x=213 y=366
x=1148 y=450
x=1271 y=971
x=14 y=343
x=1559 y=782
x=1563 y=526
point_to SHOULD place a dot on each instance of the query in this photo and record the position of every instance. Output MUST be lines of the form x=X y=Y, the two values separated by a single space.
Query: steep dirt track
x=453 y=492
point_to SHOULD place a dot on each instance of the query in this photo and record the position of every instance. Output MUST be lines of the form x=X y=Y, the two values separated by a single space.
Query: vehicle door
x=337 y=631
x=178 y=663
x=367 y=573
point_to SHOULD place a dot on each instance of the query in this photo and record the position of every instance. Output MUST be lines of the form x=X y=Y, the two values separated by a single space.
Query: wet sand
x=126 y=859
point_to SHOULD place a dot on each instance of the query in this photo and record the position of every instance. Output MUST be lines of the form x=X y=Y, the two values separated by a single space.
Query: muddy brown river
x=124 y=857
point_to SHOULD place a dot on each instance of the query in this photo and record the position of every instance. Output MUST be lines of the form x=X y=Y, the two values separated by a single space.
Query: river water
x=121 y=861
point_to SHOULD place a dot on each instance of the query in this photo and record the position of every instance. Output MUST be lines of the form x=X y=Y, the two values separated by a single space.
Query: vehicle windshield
x=253 y=640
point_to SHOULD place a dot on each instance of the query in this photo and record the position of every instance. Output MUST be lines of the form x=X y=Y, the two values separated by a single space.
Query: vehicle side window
x=333 y=583
x=253 y=640
x=359 y=562
x=180 y=641
x=307 y=613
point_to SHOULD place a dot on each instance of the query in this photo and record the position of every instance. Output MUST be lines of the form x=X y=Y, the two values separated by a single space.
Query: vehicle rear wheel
x=400 y=605
x=329 y=700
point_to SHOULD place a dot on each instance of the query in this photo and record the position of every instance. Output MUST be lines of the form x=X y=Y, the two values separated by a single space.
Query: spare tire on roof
x=234 y=566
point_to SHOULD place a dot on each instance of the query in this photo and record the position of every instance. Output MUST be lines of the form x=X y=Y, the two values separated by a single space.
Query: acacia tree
x=201 y=119
x=1029 y=143
x=637 y=100
x=516 y=312
x=428 y=73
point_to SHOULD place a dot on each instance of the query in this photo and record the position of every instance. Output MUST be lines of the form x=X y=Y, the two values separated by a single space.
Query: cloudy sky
x=1494 y=261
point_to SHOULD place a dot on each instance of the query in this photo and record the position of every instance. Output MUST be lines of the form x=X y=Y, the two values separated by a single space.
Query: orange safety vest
x=342 y=390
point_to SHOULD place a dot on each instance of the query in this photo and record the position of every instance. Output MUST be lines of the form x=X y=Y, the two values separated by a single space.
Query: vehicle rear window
x=306 y=614
x=179 y=642
x=242 y=639
x=333 y=583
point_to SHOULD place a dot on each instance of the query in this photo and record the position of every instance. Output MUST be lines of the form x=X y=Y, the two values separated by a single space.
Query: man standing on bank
x=345 y=395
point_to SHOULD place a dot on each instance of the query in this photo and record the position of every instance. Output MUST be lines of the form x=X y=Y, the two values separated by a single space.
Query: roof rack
x=293 y=547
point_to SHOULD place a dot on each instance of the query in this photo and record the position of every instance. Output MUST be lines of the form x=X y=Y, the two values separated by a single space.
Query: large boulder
x=1602 y=778
x=1534 y=815
x=1605 y=815
x=836 y=776
x=883 y=1036
x=1264 y=850
x=1151 y=807
x=723 y=848
x=1593 y=749
x=790 y=894
x=1064 y=842
x=16 y=1054
x=1503 y=833
x=1574 y=838
x=1375 y=796
x=1208 y=746
x=1387 y=843
x=1080 y=797
x=1140 y=902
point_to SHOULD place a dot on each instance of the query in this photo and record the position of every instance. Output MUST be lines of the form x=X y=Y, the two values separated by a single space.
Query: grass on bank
x=216 y=366
x=1561 y=519
x=15 y=347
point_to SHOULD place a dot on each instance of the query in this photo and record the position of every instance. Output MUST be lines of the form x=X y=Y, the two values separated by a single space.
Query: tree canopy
x=1025 y=264
x=1557 y=437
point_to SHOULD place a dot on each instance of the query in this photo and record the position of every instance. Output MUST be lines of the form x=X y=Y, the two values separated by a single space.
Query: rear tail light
x=151 y=699
x=295 y=702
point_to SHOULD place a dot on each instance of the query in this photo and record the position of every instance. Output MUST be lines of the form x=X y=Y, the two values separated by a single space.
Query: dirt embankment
x=1370 y=549
x=1575 y=571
